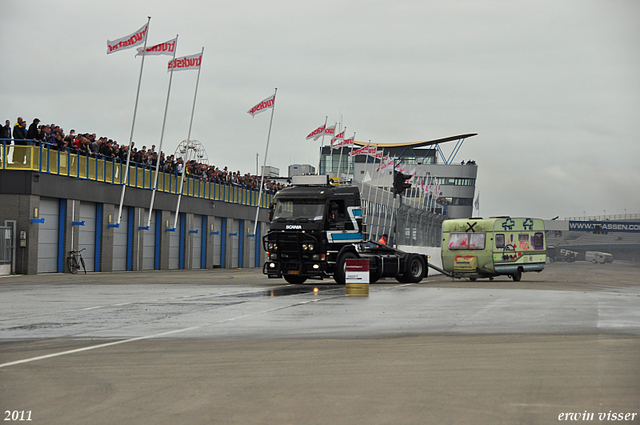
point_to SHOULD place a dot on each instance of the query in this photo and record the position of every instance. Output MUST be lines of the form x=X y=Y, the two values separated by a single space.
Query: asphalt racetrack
x=233 y=347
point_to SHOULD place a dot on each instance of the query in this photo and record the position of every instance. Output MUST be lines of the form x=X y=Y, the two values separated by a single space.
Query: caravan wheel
x=517 y=276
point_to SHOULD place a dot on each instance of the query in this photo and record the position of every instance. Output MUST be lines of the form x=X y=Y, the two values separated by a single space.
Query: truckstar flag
x=166 y=48
x=185 y=62
x=330 y=130
x=263 y=106
x=315 y=134
x=128 y=41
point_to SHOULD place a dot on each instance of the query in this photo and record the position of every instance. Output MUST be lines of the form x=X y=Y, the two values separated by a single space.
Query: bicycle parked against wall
x=74 y=261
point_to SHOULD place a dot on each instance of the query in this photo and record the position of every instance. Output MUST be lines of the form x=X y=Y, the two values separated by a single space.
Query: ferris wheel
x=191 y=150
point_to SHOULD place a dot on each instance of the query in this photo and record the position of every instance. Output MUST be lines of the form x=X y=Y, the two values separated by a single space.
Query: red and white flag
x=128 y=41
x=315 y=134
x=372 y=151
x=186 y=62
x=349 y=141
x=386 y=161
x=263 y=106
x=335 y=139
x=330 y=130
x=166 y=48
x=345 y=143
x=361 y=151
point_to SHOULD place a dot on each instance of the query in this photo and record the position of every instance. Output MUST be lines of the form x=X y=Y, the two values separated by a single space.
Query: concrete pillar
x=246 y=245
x=230 y=244
x=109 y=211
x=209 y=229
x=138 y=238
x=22 y=209
x=164 y=239
x=188 y=241
x=71 y=232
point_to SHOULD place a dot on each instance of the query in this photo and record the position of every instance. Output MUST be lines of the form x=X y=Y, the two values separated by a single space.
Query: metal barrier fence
x=412 y=223
x=78 y=165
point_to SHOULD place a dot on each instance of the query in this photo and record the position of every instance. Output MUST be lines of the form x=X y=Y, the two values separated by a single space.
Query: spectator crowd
x=54 y=137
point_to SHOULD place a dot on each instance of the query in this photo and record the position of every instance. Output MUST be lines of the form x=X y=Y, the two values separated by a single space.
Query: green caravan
x=484 y=248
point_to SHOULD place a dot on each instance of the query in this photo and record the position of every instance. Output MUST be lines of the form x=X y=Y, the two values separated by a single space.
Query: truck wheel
x=415 y=270
x=295 y=280
x=341 y=267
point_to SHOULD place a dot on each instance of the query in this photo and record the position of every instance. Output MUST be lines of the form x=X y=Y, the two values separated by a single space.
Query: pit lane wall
x=56 y=214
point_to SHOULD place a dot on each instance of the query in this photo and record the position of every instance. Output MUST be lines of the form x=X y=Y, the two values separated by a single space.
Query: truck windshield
x=298 y=210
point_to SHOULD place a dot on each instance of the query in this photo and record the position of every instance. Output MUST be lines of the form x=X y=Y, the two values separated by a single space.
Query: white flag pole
x=184 y=167
x=379 y=171
x=351 y=158
x=335 y=128
x=264 y=166
x=343 y=132
x=164 y=120
x=322 y=143
x=371 y=182
x=135 y=110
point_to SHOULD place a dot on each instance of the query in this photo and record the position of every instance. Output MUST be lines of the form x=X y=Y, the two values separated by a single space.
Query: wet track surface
x=274 y=309
x=572 y=329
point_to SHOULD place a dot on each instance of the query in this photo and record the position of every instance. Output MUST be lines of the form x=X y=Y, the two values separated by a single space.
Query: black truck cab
x=316 y=226
x=310 y=224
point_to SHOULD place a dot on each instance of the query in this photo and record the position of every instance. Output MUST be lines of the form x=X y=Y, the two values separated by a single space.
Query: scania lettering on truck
x=316 y=226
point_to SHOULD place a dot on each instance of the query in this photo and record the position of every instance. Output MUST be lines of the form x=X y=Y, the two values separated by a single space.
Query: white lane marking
x=140 y=338
x=93 y=347
x=165 y=299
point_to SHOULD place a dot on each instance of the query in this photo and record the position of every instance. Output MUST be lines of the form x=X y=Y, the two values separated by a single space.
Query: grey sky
x=551 y=87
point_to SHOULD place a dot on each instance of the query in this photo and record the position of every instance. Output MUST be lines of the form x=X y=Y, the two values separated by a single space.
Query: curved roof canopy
x=418 y=144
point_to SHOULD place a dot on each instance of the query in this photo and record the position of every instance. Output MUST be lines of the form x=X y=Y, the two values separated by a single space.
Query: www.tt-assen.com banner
x=604 y=226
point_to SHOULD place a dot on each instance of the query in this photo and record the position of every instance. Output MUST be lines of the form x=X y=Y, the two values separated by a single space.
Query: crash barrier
x=45 y=159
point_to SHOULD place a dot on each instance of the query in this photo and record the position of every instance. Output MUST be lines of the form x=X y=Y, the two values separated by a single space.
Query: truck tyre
x=341 y=267
x=416 y=269
x=295 y=280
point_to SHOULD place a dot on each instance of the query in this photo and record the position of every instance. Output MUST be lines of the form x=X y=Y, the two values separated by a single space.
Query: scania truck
x=316 y=226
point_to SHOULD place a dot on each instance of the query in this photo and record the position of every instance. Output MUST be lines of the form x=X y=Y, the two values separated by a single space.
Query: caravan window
x=500 y=240
x=538 y=240
x=466 y=241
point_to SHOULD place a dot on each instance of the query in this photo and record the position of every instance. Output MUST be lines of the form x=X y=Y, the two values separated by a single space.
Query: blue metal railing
x=46 y=158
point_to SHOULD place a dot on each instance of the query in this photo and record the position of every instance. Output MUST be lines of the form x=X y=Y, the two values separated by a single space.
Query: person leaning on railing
x=5 y=131
x=32 y=133
x=20 y=132
x=54 y=137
